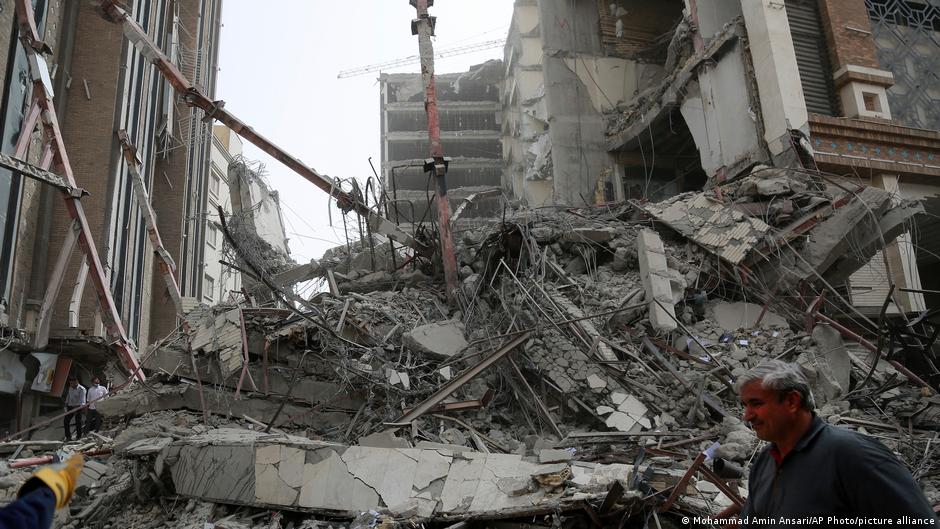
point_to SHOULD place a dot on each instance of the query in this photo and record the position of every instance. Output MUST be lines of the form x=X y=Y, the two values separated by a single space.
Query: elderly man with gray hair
x=812 y=468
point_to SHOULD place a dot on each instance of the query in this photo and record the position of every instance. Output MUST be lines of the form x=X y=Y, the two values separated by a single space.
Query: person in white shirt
x=95 y=393
x=74 y=399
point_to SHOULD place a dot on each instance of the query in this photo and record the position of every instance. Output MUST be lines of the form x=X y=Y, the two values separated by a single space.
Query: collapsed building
x=638 y=100
x=692 y=193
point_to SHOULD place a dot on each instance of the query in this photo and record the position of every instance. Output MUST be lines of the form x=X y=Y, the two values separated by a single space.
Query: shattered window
x=906 y=37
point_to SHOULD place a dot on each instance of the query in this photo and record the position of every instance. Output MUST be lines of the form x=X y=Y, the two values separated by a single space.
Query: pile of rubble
x=587 y=361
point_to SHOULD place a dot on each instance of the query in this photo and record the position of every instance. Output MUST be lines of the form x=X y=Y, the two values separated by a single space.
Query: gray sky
x=278 y=65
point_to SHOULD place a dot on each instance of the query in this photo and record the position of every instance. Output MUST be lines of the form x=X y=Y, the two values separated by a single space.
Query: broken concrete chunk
x=657 y=280
x=769 y=187
x=620 y=421
x=618 y=397
x=832 y=355
x=739 y=315
x=552 y=475
x=441 y=339
x=145 y=447
x=632 y=407
x=383 y=440
x=92 y=473
x=397 y=378
x=552 y=455
x=596 y=383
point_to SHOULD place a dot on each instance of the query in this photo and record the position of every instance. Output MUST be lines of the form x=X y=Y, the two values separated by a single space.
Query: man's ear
x=793 y=400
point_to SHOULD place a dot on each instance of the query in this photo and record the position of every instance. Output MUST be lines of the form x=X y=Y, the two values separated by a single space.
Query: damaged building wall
x=743 y=105
x=555 y=93
x=256 y=224
x=219 y=281
x=726 y=140
x=579 y=159
x=90 y=154
x=778 y=78
x=102 y=86
x=24 y=210
x=525 y=138
x=877 y=137
x=122 y=91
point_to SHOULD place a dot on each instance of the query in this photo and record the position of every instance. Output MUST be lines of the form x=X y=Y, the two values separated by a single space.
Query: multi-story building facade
x=219 y=281
x=470 y=121
x=103 y=85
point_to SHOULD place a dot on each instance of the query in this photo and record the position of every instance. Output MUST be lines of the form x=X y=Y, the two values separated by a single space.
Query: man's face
x=95 y=381
x=770 y=416
x=72 y=383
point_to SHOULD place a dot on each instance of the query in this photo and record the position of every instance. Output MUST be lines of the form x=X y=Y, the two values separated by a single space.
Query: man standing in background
x=74 y=399
x=95 y=393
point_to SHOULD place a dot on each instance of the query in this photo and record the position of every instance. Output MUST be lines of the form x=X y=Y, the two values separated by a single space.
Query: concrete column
x=656 y=280
x=778 y=78
x=901 y=254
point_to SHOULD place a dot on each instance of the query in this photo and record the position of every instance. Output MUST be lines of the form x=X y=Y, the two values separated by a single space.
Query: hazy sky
x=278 y=65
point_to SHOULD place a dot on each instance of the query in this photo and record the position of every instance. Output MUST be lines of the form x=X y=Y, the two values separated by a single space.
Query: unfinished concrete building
x=470 y=118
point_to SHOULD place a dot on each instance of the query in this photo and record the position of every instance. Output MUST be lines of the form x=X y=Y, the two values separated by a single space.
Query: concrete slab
x=441 y=339
x=740 y=315
x=329 y=485
x=596 y=383
x=831 y=366
x=551 y=455
x=620 y=421
x=383 y=440
x=149 y=446
x=297 y=474
x=390 y=473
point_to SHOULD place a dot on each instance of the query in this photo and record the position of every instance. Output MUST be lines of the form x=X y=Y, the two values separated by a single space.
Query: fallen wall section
x=294 y=473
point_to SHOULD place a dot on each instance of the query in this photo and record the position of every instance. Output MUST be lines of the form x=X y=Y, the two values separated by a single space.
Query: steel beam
x=164 y=259
x=438 y=397
x=215 y=110
x=41 y=340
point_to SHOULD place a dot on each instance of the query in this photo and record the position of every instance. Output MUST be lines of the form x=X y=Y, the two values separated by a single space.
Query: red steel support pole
x=423 y=27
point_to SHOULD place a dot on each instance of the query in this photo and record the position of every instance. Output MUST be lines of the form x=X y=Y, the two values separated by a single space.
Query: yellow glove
x=61 y=478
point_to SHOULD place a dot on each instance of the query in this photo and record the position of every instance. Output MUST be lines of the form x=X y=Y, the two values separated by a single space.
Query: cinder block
x=656 y=280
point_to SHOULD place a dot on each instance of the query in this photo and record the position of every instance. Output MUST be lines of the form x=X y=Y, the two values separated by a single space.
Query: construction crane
x=414 y=59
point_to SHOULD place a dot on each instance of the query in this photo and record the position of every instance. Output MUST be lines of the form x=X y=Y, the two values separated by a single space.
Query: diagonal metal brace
x=114 y=12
